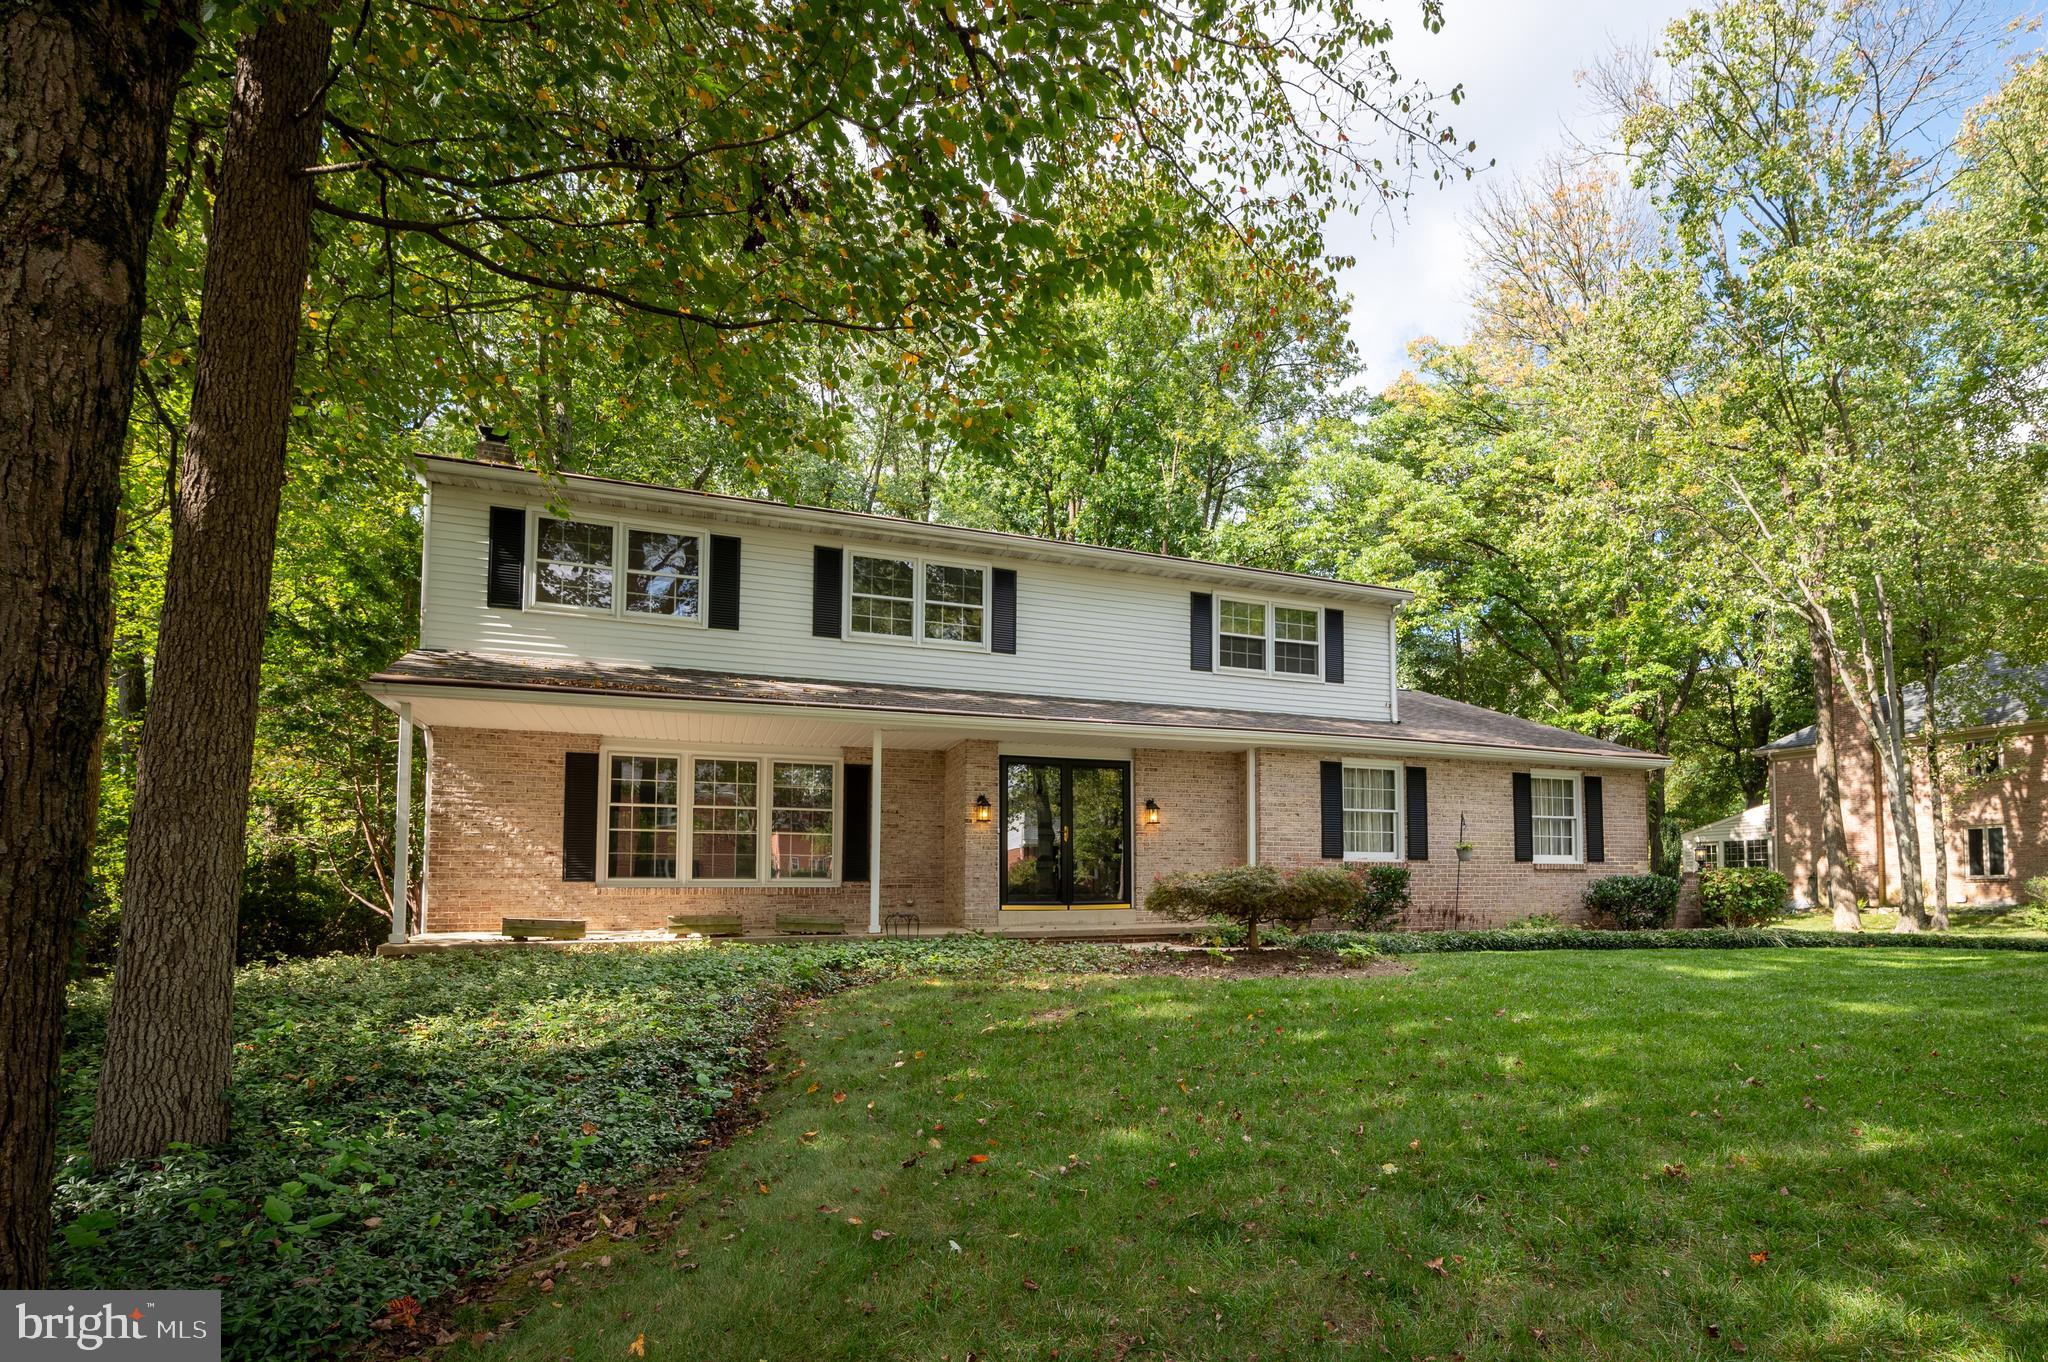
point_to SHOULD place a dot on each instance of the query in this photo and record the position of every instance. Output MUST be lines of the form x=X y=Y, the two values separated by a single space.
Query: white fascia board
x=391 y=693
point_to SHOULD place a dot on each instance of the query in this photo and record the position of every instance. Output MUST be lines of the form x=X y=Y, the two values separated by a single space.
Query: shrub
x=1382 y=897
x=1741 y=898
x=2035 y=894
x=1247 y=895
x=1631 y=903
x=1537 y=922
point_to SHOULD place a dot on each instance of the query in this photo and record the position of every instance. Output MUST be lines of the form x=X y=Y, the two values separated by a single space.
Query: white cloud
x=1517 y=61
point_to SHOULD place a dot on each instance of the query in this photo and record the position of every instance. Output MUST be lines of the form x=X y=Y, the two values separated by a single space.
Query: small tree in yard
x=1245 y=894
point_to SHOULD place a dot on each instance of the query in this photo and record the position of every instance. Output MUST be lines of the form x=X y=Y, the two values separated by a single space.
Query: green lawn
x=2029 y=920
x=1777 y=1154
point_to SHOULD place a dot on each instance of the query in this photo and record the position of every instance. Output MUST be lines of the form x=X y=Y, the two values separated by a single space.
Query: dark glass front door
x=1065 y=828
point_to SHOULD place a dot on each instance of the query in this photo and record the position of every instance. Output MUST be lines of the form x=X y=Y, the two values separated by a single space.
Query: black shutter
x=1333 y=810
x=725 y=583
x=1525 y=828
x=1596 y=820
x=1418 y=813
x=1201 y=630
x=579 y=816
x=505 y=584
x=1977 y=853
x=853 y=831
x=828 y=587
x=1333 y=646
x=1003 y=624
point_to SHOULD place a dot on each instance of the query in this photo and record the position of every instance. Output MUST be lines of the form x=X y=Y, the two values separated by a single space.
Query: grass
x=1782 y=1154
x=2027 y=920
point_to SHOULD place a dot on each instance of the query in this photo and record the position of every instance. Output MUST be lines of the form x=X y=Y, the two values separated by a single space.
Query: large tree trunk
x=86 y=93
x=1827 y=779
x=166 y=1070
x=1883 y=706
x=1937 y=813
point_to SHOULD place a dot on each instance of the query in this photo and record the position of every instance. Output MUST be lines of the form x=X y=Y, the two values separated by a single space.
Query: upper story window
x=1554 y=816
x=1253 y=636
x=577 y=566
x=1983 y=758
x=917 y=600
x=1371 y=813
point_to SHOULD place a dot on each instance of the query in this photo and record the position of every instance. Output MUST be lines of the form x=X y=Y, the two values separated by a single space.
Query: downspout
x=1251 y=806
x=875 y=839
x=401 y=833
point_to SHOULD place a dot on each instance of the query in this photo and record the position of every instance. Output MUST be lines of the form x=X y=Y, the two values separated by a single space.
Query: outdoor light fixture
x=1699 y=859
x=1151 y=813
x=981 y=809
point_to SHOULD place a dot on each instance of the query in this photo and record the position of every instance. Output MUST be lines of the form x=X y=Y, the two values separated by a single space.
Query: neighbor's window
x=1987 y=853
x=725 y=813
x=572 y=564
x=664 y=574
x=642 y=818
x=1370 y=810
x=1713 y=850
x=1554 y=817
x=800 y=821
x=1754 y=855
x=1242 y=636
x=1295 y=641
x=953 y=603
x=1986 y=758
x=884 y=596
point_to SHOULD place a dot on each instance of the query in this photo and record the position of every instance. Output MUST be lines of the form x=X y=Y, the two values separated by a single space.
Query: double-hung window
x=917 y=600
x=1987 y=853
x=1371 y=814
x=1554 y=817
x=572 y=563
x=1754 y=854
x=684 y=818
x=1255 y=636
x=630 y=571
x=1984 y=759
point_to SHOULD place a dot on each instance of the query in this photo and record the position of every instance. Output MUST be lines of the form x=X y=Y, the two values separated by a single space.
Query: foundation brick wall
x=2016 y=799
x=494 y=834
x=494 y=844
x=1492 y=889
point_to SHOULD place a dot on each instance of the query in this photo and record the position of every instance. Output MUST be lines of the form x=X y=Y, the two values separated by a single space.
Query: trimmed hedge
x=1633 y=903
x=1709 y=938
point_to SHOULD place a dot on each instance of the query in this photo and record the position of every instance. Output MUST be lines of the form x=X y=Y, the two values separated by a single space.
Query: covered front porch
x=626 y=812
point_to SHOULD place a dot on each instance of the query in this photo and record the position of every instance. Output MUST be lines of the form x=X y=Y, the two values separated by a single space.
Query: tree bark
x=1827 y=780
x=166 y=1071
x=86 y=93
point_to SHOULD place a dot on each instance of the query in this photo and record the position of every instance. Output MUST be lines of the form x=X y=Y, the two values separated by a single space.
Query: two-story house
x=639 y=701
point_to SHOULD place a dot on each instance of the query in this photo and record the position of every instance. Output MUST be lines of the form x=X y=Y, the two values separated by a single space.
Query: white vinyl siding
x=1083 y=631
x=1554 y=810
x=1372 y=813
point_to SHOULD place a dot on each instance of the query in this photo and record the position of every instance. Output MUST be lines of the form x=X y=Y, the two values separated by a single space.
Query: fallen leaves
x=638 y=1347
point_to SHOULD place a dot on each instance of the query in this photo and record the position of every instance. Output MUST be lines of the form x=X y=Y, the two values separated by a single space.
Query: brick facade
x=2016 y=799
x=494 y=833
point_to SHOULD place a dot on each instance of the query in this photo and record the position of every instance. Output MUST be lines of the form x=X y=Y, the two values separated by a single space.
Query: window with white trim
x=572 y=563
x=1987 y=853
x=917 y=600
x=1372 y=814
x=1983 y=758
x=1259 y=636
x=1754 y=854
x=641 y=821
x=664 y=573
x=800 y=821
x=725 y=819
x=1554 y=817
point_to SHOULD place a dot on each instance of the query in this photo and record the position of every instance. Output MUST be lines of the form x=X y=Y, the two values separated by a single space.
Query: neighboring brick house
x=1994 y=756
x=639 y=701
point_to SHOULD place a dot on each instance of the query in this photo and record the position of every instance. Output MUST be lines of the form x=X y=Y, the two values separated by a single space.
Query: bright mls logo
x=162 y=1326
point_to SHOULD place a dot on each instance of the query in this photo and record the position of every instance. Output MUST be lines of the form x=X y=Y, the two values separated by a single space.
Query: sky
x=1517 y=60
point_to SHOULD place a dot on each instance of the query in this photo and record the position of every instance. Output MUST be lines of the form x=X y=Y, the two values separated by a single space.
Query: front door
x=1065 y=828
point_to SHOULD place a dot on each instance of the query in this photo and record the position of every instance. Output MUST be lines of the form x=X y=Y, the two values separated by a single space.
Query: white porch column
x=401 y=834
x=1251 y=806
x=875 y=838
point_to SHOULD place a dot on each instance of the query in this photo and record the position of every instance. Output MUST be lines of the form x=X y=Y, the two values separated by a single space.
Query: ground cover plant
x=1628 y=1154
x=398 y=1122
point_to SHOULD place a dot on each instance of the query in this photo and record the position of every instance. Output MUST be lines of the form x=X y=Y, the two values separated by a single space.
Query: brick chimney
x=492 y=445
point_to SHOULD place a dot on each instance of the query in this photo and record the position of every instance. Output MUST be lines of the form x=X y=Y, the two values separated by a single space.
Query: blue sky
x=1517 y=60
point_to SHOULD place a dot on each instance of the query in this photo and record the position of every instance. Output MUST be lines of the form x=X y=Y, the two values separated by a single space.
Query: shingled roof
x=1992 y=693
x=1424 y=718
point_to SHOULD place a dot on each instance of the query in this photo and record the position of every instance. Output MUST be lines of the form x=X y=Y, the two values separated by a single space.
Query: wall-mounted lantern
x=1151 y=813
x=982 y=812
x=1699 y=858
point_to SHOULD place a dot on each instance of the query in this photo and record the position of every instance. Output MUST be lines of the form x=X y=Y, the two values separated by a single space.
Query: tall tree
x=86 y=95
x=633 y=183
